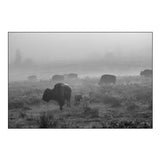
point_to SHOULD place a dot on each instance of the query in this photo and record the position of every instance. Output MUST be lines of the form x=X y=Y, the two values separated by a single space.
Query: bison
x=58 y=78
x=72 y=75
x=83 y=99
x=77 y=99
x=60 y=93
x=107 y=79
x=32 y=78
x=146 y=73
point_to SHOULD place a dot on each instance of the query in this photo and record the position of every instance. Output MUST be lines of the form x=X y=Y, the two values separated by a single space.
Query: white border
x=81 y=15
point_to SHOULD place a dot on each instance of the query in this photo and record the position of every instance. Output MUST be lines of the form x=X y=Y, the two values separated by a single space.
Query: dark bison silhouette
x=72 y=75
x=77 y=99
x=83 y=99
x=146 y=73
x=60 y=93
x=107 y=79
x=58 y=77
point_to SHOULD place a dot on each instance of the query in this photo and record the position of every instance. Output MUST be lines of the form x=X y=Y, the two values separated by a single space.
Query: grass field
x=128 y=104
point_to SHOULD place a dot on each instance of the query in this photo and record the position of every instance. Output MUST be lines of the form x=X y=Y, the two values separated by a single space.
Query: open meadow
x=127 y=104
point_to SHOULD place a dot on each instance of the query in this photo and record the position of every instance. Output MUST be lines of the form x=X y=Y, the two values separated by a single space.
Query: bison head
x=47 y=95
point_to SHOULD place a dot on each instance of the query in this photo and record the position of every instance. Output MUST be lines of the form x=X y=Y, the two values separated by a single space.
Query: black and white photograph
x=80 y=80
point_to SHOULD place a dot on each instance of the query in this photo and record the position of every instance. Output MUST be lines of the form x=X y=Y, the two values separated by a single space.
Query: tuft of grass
x=46 y=120
x=22 y=114
x=126 y=124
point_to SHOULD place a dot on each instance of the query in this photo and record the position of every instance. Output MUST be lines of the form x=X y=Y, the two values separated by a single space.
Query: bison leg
x=76 y=103
x=68 y=103
x=61 y=103
x=61 y=107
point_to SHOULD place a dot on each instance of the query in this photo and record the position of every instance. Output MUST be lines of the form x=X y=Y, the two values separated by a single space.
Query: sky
x=84 y=53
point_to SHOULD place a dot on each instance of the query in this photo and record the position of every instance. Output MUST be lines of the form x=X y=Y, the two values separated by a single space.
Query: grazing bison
x=58 y=77
x=60 y=93
x=84 y=99
x=77 y=99
x=107 y=79
x=146 y=73
x=32 y=78
x=72 y=75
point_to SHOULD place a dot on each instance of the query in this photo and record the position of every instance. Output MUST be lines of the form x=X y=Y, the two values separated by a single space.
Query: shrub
x=150 y=107
x=132 y=107
x=47 y=121
x=111 y=100
x=32 y=100
x=26 y=107
x=90 y=112
x=116 y=104
x=144 y=96
x=22 y=114
x=15 y=104
x=96 y=97
x=126 y=124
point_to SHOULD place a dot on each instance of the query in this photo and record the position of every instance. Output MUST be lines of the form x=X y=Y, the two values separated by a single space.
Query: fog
x=88 y=54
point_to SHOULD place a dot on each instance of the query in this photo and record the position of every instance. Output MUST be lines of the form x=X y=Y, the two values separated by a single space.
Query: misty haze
x=80 y=80
x=88 y=54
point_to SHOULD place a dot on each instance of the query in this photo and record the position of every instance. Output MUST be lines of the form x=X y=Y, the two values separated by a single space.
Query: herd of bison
x=67 y=101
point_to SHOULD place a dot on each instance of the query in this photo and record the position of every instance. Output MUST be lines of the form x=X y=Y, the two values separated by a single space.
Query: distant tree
x=18 y=58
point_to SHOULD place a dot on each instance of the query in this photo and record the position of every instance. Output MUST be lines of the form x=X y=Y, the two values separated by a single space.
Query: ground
x=127 y=104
